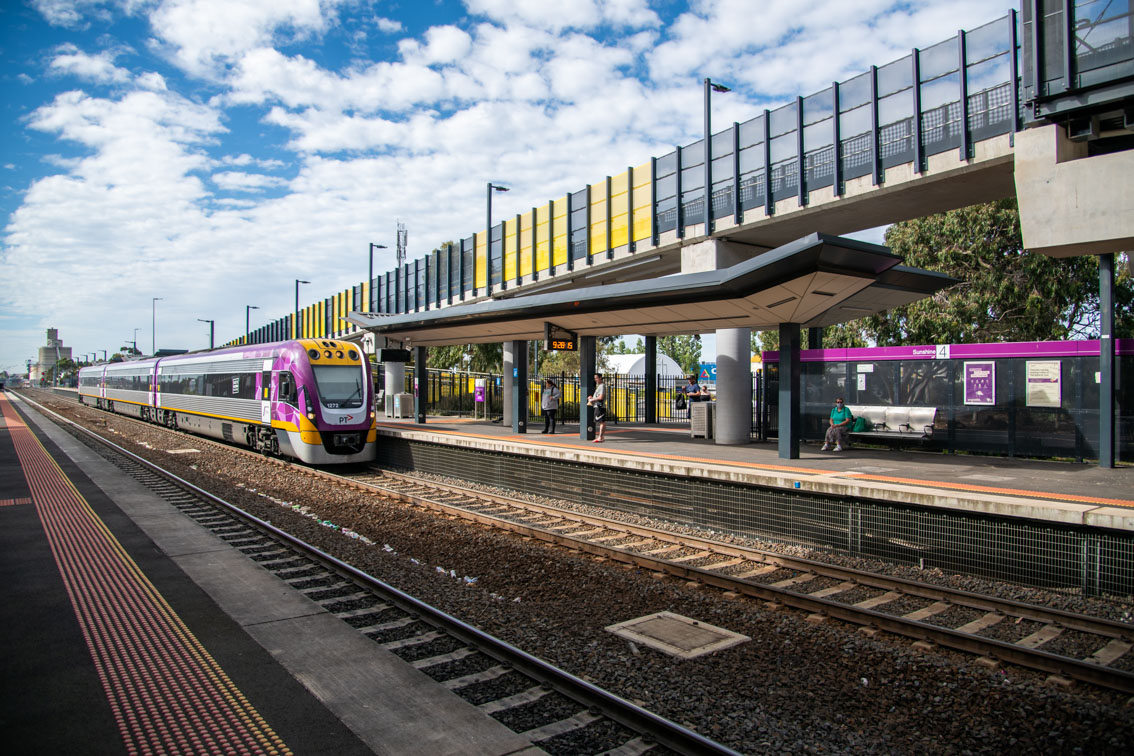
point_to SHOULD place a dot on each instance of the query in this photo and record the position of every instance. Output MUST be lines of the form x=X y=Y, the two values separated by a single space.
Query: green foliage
x=1004 y=293
x=684 y=350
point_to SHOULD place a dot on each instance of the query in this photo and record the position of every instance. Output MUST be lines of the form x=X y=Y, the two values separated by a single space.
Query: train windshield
x=340 y=386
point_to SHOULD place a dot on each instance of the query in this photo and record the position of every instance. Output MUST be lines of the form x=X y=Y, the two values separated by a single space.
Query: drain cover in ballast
x=677 y=635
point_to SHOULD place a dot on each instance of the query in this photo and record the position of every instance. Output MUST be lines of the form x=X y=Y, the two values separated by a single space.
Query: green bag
x=861 y=425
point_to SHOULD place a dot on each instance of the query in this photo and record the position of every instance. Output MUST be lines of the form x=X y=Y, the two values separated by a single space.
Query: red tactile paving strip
x=168 y=695
x=14 y=502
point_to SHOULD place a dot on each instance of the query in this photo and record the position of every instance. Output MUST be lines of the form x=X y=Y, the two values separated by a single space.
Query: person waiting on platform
x=693 y=393
x=839 y=427
x=549 y=403
x=598 y=401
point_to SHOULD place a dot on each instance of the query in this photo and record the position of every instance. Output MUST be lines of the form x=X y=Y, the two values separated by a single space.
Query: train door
x=266 y=394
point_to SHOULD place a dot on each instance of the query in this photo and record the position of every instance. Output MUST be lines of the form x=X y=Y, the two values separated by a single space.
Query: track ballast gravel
x=796 y=687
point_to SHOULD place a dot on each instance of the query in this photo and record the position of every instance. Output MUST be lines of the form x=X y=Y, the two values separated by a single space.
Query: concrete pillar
x=815 y=338
x=508 y=363
x=518 y=377
x=395 y=379
x=1072 y=203
x=789 y=395
x=734 y=386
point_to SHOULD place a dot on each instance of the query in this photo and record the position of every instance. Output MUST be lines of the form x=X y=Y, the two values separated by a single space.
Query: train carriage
x=310 y=399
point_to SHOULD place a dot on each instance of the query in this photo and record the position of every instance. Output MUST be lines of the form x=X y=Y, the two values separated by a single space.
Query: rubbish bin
x=702 y=416
x=403 y=405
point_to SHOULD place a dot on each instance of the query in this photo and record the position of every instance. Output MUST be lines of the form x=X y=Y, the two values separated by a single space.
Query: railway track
x=549 y=706
x=1065 y=645
x=997 y=630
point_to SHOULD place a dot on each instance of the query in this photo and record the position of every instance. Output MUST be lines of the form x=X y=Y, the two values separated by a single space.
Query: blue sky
x=210 y=152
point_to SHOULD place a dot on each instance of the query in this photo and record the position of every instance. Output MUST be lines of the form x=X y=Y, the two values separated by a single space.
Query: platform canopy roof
x=814 y=281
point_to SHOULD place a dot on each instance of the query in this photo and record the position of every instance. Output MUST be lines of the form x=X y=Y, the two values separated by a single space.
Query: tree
x=1003 y=293
x=684 y=350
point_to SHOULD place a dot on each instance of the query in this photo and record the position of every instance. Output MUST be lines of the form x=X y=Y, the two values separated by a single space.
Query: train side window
x=287 y=392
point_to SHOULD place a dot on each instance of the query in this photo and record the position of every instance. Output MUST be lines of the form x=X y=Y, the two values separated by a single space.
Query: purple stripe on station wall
x=1088 y=348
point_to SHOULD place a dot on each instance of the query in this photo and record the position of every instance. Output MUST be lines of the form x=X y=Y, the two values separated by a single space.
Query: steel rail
x=1078 y=669
x=661 y=730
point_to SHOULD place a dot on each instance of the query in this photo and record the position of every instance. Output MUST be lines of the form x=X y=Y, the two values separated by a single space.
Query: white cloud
x=97 y=68
x=443 y=44
x=238 y=181
x=578 y=14
x=388 y=25
x=203 y=36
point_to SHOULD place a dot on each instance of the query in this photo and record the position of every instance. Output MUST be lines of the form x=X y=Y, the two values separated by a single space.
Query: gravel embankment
x=795 y=687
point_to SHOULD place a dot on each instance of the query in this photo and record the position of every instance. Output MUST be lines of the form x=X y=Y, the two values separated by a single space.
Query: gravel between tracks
x=794 y=688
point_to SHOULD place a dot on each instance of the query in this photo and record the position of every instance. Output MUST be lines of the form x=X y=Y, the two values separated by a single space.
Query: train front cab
x=321 y=403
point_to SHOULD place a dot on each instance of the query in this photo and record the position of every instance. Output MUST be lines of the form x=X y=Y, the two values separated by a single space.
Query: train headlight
x=313 y=353
x=310 y=415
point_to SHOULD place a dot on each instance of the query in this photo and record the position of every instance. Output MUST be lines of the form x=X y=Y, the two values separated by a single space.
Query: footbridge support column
x=734 y=386
x=507 y=363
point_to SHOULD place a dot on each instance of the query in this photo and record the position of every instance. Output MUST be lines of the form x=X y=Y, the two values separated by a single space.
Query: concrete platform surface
x=319 y=685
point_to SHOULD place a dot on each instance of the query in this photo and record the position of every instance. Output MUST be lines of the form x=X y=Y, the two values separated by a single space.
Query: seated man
x=840 y=425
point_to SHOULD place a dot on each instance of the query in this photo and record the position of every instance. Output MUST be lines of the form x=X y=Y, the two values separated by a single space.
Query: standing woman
x=598 y=401
x=549 y=403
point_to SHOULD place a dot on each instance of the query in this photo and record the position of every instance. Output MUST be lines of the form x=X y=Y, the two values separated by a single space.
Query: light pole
x=156 y=300
x=710 y=87
x=373 y=247
x=247 y=312
x=295 y=324
x=488 y=244
x=135 y=342
x=103 y=354
x=211 y=324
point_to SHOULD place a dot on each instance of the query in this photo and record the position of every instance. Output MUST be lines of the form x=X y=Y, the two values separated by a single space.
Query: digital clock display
x=556 y=339
x=561 y=345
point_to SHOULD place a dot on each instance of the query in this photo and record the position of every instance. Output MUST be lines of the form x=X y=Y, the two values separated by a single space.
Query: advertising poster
x=1044 y=379
x=980 y=383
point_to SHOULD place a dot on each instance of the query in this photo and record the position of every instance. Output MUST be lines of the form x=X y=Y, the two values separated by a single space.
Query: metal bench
x=896 y=422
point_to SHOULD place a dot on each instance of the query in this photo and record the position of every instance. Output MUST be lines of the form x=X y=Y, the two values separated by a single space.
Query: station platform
x=127 y=628
x=1039 y=490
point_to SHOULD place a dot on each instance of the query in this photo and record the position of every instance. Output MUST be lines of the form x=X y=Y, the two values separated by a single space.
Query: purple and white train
x=311 y=399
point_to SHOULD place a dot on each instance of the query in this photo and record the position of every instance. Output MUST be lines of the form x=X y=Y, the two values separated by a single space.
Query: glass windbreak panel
x=666 y=214
x=925 y=383
x=751 y=159
x=694 y=154
x=940 y=91
x=666 y=187
x=722 y=144
x=989 y=74
x=752 y=132
x=894 y=77
x=782 y=120
x=895 y=108
x=784 y=147
x=854 y=92
x=1103 y=30
x=853 y=122
x=938 y=60
x=1052 y=26
x=817 y=136
x=986 y=41
x=818 y=106
x=722 y=168
x=872 y=383
x=692 y=177
x=340 y=386
x=422 y=273
x=667 y=164
x=496 y=255
x=469 y=255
